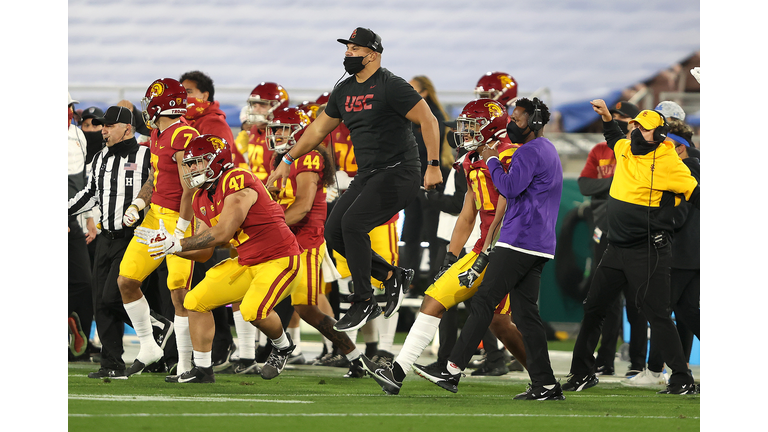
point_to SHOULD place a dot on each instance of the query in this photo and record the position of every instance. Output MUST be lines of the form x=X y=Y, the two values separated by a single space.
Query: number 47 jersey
x=263 y=235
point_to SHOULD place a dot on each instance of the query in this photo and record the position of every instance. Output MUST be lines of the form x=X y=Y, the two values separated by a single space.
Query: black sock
x=398 y=372
x=371 y=348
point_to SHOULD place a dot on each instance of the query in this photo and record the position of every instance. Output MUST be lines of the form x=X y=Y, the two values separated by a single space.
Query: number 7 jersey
x=263 y=235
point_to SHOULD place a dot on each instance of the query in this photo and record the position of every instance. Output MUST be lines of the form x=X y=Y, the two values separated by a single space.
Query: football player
x=481 y=123
x=265 y=99
x=169 y=201
x=303 y=199
x=499 y=86
x=232 y=206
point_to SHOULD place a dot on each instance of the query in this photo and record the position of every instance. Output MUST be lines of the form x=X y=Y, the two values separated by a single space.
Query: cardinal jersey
x=166 y=185
x=309 y=230
x=479 y=180
x=259 y=155
x=343 y=150
x=263 y=235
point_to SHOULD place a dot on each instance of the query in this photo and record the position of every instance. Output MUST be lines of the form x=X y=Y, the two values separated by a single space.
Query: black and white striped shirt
x=115 y=177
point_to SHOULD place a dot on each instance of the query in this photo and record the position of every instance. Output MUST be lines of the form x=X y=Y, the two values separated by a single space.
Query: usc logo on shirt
x=358 y=103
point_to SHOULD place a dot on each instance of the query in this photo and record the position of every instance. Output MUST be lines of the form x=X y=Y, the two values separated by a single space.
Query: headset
x=660 y=133
x=536 y=120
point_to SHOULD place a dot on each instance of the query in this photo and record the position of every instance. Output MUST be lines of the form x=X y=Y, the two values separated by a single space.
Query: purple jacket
x=532 y=186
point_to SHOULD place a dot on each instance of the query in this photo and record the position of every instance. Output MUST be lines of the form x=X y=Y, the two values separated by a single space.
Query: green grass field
x=320 y=399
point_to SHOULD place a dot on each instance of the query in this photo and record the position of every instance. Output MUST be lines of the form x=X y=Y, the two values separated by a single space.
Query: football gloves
x=131 y=216
x=159 y=241
x=469 y=277
x=449 y=260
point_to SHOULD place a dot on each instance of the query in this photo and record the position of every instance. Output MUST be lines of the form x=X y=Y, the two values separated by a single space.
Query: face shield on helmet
x=265 y=99
x=205 y=159
x=285 y=128
x=196 y=170
x=482 y=121
x=468 y=134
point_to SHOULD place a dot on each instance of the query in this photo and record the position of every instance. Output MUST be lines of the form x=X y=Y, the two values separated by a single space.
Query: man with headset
x=649 y=181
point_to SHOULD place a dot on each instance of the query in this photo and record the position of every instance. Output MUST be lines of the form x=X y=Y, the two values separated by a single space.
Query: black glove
x=469 y=277
x=449 y=260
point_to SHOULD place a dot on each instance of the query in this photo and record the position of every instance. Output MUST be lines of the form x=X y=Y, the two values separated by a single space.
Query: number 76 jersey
x=263 y=235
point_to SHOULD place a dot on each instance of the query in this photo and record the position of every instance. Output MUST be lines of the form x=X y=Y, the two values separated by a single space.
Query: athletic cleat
x=383 y=357
x=197 y=374
x=490 y=371
x=172 y=378
x=246 y=367
x=680 y=389
x=224 y=361
x=332 y=360
x=646 y=378
x=632 y=372
x=135 y=369
x=276 y=361
x=604 y=370
x=542 y=393
x=439 y=376
x=383 y=376
x=138 y=366
x=357 y=315
x=395 y=289
x=108 y=373
x=579 y=383
x=356 y=369
x=78 y=341
x=162 y=328
x=297 y=359
x=515 y=366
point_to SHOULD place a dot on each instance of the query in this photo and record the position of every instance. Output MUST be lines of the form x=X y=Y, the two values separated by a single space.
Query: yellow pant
x=137 y=264
x=310 y=280
x=258 y=287
x=448 y=292
x=383 y=242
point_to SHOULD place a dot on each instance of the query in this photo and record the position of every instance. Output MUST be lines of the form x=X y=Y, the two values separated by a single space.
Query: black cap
x=626 y=109
x=115 y=114
x=364 y=37
x=92 y=113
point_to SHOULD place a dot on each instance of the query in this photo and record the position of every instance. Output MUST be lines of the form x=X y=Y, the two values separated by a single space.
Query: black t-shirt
x=374 y=111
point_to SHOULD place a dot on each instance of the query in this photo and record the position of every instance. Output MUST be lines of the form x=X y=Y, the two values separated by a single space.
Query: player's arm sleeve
x=612 y=133
x=593 y=186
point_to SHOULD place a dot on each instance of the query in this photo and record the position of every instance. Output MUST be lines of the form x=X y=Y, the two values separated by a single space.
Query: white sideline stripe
x=136 y=398
x=375 y=415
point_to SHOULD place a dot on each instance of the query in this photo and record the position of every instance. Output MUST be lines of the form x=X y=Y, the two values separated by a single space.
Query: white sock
x=387 y=330
x=452 y=368
x=421 y=334
x=138 y=312
x=295 y=333
x=370 y=330
x=246 y=336
x=354 y=355
x=202 y=359
x=183 y=343
x=328 y=344
x=281 y=342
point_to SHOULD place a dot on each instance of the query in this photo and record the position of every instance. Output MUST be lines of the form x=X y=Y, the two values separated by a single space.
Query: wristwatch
x=433 y=162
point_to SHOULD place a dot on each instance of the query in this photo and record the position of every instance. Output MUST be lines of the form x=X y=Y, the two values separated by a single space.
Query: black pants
x=685 y=293
x=371 y=200
x=420 y=225
x=79 y=276
x=627 y=269
x=109 y=311
x=519 y=275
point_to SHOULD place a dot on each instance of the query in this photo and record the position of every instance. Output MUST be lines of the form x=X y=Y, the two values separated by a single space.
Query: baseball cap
x=626 y=109
x=670 y=110
x=115 y=114
x=92 y=113
x=649 y=119
x=72 y=101
x=364 y=37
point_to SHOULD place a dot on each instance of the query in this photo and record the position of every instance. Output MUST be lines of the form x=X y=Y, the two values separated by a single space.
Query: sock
x=354 y=355
x=421 y=334
x=183 y=343
x=328 y=344
x=549 y=387
x=281 y=342
x=202 y=359
x=387 y=330
x=246 y=337
x=398 y=372
x=295 y=333
x=370 y=330
x=138 y=312
x=452 y=368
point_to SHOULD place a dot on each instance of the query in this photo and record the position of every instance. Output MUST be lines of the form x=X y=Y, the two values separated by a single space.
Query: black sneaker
x=162 y=328
x=108 y=373
x=383 y=376
x=541 y=393
x=262 y=352
x=135 y=369
x=356 y=369
x=383 y=357
x=680 y=389
x=277 y=359
x=439 y=376
x=246 y=367
x=395 y=289
x=515 y=366
x=333 y=360
x=490 y=371
x=297 y=359
x=357 y=315
x=575 y=383
x=224 y=361
x=604 y=370
x=197 y=375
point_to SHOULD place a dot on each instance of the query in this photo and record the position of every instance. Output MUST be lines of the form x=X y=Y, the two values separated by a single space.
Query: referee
x=115 y=177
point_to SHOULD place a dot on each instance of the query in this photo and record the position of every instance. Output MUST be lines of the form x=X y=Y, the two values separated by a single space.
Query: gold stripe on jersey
x=188 y=135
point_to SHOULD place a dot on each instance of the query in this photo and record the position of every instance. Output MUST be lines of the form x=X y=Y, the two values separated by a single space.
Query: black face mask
x=95 y=141
x=624 y=126
x=516 y=134
x=353 y=65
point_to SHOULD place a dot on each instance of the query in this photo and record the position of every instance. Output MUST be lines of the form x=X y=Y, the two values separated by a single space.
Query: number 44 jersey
x=263 y=235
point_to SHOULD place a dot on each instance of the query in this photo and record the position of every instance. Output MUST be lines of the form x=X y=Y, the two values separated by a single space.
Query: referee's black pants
x=519 y=275
x=109 y=312
x=371 y=200
x=628 y=268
